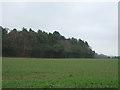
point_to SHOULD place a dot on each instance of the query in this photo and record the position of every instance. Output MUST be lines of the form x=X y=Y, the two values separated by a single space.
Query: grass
x=59 y=73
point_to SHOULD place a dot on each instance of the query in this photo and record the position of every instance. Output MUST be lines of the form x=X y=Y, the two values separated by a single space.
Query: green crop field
x=59 y=73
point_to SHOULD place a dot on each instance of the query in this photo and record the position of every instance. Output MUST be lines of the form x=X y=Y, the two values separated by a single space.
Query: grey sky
x=96 y=23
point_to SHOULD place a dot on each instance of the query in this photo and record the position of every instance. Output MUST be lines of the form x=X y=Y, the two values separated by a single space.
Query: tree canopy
x=40 y=44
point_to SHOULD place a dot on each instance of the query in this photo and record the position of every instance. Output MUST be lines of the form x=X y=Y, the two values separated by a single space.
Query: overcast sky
x=96 y=23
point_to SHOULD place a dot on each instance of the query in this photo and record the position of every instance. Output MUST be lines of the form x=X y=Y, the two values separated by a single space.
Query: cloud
x=92 y=22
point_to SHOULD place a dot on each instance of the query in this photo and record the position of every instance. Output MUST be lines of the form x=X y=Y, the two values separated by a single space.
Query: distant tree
x=28 y=43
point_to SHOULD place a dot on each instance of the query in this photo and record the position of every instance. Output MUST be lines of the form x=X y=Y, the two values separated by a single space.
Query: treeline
x=28 y=43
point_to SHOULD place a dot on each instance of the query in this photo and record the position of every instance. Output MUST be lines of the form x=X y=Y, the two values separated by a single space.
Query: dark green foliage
x=28 y=43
